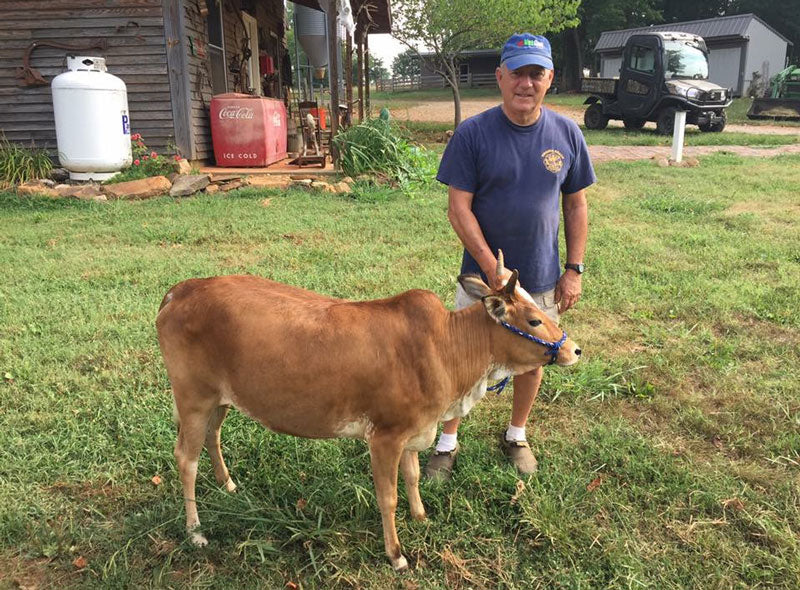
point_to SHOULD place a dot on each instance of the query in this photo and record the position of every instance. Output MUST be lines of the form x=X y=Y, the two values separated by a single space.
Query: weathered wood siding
x=269 y=15
x=136 y=53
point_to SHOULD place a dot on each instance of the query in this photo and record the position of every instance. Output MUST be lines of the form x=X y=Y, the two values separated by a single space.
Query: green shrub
x=18 y=165
x=146 y=162
x=374 y=146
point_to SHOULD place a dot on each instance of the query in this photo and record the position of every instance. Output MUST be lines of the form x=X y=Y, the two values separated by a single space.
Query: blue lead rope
x=499 y=386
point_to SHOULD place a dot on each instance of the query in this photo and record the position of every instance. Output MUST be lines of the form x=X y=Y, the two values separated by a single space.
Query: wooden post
x=360 y=66
x=366 y=71
x=348 y=75
x=333 y=64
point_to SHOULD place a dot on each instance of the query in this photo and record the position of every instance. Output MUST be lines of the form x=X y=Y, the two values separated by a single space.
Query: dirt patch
x=442 y=112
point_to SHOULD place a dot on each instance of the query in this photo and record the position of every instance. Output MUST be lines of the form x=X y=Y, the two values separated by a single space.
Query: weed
x=18 y=164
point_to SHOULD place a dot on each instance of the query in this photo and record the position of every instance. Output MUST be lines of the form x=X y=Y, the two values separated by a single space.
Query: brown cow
x=313 y=366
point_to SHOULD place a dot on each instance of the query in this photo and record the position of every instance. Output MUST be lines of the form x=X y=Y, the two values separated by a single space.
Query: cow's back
x=301 y=362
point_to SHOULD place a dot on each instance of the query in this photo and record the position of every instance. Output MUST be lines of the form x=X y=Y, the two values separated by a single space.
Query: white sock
x=447 y=442
x=515 y=433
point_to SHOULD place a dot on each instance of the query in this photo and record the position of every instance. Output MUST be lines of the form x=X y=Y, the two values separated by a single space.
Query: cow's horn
x=500 y=263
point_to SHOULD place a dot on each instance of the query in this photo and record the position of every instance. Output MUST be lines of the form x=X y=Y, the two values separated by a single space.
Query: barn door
x=253 y=74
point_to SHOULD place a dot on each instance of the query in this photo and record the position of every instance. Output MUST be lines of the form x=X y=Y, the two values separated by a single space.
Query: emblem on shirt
x=553 y=160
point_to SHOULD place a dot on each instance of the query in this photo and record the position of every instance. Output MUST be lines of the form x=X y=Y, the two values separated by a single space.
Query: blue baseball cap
x=524 y=49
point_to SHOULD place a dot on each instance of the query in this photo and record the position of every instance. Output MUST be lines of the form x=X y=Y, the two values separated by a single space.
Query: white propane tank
x=93 y=128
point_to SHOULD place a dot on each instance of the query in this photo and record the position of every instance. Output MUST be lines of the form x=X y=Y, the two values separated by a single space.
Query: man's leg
x=513 y=440
x=526 y=388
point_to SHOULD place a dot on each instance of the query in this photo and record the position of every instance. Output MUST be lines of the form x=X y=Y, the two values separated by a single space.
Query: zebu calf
x=309 y=365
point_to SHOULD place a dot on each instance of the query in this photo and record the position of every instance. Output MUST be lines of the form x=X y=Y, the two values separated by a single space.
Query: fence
x=469 y=80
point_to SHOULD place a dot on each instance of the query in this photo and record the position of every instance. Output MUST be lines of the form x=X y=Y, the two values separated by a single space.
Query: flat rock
x=86 y=192
x=662 y=162
x=342 y=187
x=182 y=166
x=269 y=181
x=139 y=189
x=212 y=188
x=59 y=174
x=188 y=185
x=36 y=187
x=233 y=184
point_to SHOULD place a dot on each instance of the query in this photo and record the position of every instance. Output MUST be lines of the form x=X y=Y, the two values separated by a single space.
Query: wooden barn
x=173 y=55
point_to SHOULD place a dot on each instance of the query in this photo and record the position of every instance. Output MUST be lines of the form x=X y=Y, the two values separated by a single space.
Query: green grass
x=647 y=136
x=683 y=414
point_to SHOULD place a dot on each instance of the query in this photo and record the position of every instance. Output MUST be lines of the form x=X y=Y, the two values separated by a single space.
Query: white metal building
x=738 y=45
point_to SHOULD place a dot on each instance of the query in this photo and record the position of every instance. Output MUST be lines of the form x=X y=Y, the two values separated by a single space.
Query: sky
x=385 y=47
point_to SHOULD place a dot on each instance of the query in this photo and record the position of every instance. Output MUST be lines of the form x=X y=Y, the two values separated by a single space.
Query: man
x=505 y=169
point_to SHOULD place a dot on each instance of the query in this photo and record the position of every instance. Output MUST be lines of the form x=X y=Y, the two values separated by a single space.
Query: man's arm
x=459 y=212
x=576 y=229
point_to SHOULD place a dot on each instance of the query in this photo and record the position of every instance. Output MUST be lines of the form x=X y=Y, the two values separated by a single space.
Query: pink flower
x=153 y=155
x=176 y=157
x=136 y=136
x=136 y=162
x=145 y=157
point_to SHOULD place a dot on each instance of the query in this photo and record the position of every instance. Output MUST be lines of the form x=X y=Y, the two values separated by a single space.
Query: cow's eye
x=535 y=323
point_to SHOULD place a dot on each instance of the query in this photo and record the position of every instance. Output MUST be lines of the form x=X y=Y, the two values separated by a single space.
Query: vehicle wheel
x=632 y=123
x=594 y=118
x=666 y=121
x=715 y=127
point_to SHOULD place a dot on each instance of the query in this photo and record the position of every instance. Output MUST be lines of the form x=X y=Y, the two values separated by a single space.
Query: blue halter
x=552 y=347
x=552 y=351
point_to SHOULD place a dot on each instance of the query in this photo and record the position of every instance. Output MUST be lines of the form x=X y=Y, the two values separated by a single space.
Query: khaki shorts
x=545 y=301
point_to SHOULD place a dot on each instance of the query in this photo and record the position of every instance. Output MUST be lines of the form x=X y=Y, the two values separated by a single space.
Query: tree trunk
x=572 y=66
x=451 y=78
x=456 y=103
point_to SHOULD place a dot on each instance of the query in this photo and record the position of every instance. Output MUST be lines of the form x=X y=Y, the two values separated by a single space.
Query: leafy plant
x=374 y=146
x=146 y=162
x=18 y=164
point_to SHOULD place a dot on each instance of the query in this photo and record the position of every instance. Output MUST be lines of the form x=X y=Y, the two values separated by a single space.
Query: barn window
x=216 y=47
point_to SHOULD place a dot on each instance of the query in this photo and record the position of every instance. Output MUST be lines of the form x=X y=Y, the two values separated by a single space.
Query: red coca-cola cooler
x=247 y=131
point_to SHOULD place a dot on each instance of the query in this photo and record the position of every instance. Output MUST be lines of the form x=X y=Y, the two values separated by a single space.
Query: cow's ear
x=496 y=306
x=474 y=286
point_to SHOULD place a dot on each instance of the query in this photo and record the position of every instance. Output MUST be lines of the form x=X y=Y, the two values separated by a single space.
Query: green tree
x=447 y=28
x=377 y=69
x=577 y=44
x=406 y=64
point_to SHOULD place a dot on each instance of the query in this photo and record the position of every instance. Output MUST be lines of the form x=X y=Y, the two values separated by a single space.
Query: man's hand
x=568 y=290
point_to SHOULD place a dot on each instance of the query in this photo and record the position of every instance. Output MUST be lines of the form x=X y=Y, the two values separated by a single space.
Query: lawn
x=669 y=457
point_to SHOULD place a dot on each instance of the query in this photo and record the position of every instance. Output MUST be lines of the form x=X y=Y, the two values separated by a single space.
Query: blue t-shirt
x=516 y=175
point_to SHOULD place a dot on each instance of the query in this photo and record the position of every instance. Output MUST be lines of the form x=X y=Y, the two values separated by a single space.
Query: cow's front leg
x=385 y=454
x=409 y=467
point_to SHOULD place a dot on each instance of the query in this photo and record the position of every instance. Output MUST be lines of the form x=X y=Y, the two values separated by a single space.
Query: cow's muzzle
x=553 y=348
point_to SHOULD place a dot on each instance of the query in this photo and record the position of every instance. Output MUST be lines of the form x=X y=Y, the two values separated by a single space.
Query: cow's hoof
x=197 y=539
x=230 y=487
x=400 y=564
x=420 y=517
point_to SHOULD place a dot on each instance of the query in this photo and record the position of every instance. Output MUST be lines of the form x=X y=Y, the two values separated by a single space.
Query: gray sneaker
x=520 y=454
x=440 y=464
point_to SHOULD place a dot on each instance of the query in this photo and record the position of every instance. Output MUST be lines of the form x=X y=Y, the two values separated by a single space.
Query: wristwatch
x=578 y=268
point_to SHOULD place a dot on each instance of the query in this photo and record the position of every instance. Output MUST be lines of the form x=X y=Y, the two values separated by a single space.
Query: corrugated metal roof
x=709 y=29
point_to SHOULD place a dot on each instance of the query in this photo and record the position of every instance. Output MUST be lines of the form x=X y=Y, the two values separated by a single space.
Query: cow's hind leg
x=385 y=454
x=193 y=422
x=215 y=451
x=409 y=467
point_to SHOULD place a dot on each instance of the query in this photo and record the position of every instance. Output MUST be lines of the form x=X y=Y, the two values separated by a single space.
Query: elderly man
x=507 y=169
